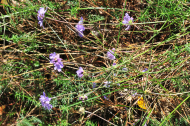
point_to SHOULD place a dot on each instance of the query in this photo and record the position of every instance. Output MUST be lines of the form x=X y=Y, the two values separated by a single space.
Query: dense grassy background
x=158 y=40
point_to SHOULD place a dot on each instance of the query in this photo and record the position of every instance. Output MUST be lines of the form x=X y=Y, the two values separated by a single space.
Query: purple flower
x=80 y=72
x=114 y=74
x=54 y=58
x=83 y=98
x=107 y=84
x=45 y=101
x=106 y=97
x=80 y=27
x=127 y=20
x=94 y=85
x=144 y=70
x=125 y=69
x=110 y=54
x=41 y=15
x=134 y=94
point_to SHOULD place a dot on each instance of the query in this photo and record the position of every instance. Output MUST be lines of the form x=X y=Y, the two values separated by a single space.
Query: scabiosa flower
x=110 y=54
x=144 y=70
x=94 y=85
x=54 y=58
x=125 y=69
x=127 y=20
x=114 y=74
x=45 y=101
x=41 y=15
x=80 y=27
x=145 y=124
x=106 y=98
x=83 y=98
x=107 y=84
x=80 y=72
x=134 y=94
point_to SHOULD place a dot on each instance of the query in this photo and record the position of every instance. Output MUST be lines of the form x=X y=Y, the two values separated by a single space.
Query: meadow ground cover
x=95 y=62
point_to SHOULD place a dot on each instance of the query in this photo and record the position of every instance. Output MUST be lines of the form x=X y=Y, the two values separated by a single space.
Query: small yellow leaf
x=5 y=2
x=141 y=103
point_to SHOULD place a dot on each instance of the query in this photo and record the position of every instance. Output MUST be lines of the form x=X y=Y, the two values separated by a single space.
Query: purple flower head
x=41 y=15
x=83 y=98
x=145 y=124
x=80 y=72
x=125 y=69
x=107 y=84
x=54 y=58
x=127 y=20
x=80 y=27
x=110 y=54
x=114 y=74
x=144 y=70
x=94 y=85
x=106 y=97
x=134 y=94
x=58 y=65
x=45 y=101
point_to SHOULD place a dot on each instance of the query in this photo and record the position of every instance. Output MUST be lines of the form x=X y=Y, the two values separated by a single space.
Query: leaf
x=37 y=64
x=1 y=109
x=5 y=2
x=141 y=103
